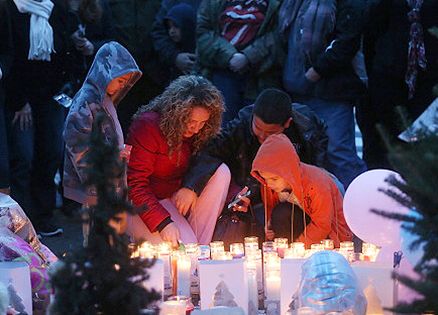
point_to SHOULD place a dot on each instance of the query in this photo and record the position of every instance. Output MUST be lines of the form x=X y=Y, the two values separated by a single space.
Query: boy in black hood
x=181 y=26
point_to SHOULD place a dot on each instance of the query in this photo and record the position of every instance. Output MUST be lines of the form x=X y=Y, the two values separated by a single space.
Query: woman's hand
x=184 y=200
x=170 y=233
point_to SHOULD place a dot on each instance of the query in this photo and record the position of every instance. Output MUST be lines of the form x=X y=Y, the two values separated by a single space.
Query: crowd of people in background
x=199 y=90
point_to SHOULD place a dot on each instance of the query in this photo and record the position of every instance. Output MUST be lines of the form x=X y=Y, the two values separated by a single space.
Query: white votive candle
x=273 y=283
x=236 y=249
x=183 y=275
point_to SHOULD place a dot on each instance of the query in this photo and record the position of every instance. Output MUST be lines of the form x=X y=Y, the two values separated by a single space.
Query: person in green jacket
x=239 y=49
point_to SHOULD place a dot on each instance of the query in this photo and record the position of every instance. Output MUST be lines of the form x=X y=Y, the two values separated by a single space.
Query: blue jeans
x=4 y=157
x=48 y=152
x=343 y=161
x=233 y=86
x=20 y=152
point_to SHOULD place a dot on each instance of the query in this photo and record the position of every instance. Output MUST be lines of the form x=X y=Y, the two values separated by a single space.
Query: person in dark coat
x=323 y=39
x=6 y=51
x=238 y=48
x=132 y=21
x=181 y=25
x=90 y=26
x=402 y=62
x=36 y=75
x=169 y=52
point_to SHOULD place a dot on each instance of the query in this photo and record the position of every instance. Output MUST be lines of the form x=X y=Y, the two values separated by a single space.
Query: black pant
x=281 y=220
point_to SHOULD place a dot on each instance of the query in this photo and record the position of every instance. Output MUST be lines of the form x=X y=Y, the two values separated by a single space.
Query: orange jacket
x=313 y=187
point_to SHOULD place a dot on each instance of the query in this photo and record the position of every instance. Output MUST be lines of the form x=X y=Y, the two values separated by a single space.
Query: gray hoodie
x=112 y=60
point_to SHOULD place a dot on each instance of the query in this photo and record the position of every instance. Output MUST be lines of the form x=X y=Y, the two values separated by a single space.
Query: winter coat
x=183 y=16
x=98 y=33
x=111 y=61
x=167 y=49
x=153 y=174
x=237 y=146
x=339 y=81
x=35 y=81
x=132 y=21
x=264 y=53
x=386 y=41
x=387 y=38
x=313 y=188
x=6 y=48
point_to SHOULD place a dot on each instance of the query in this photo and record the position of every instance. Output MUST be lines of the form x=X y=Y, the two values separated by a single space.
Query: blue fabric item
x=233 y=86
x=4 y=159
x=183 y=16
x=48 y=144
x=343 y=161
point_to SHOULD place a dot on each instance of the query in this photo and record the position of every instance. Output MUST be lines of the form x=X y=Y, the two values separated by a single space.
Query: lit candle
x=254 y=262
x=163 y=252
x=273 y=283
x=268 y=247
x=236 y=250
x=370 y=251
x=183 y=275
x=192 y=249
x=204 y=252
x=177 y=307
x=316 y=247
x=328 y=244
x=135 y=254
x=253 y=298
x=281 y=244
x=251 y=244
x=146 y=253
x=346 y=246
x=298 y=249
x=164 y=248
x=346 y=249
x=224 y=256
x=216 y=248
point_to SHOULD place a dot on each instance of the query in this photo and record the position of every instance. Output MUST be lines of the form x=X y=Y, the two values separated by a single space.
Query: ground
x=70 y=239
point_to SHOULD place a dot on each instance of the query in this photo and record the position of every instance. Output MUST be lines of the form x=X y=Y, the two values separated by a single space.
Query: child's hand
x=185 y=62
x=125 y=153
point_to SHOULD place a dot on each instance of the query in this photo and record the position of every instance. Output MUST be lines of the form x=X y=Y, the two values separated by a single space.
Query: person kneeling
x=287 y=180
x=164 y=135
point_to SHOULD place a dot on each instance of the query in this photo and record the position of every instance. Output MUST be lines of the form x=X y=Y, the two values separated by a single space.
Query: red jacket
x=313 y=187
x=153 y=174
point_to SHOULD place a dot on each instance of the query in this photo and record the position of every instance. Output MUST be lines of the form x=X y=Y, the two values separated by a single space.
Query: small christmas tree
x=223 y=296
x=417 y=163
x=101 y=278
x=15 y=300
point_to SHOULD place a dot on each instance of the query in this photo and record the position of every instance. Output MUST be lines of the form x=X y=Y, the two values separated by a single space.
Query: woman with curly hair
x=164 y=135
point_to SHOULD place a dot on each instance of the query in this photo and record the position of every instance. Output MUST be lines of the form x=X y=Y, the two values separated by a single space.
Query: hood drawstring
x=305 y=225
x=292 y=223
x=265 y=204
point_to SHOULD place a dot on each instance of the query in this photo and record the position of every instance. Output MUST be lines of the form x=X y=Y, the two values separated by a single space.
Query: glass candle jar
x=236 y=250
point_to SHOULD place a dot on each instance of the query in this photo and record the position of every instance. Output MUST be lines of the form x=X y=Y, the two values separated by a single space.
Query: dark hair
x=273 y=106
x=90 y=11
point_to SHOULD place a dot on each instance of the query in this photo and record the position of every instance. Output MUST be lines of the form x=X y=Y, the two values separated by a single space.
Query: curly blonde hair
x=175 y=105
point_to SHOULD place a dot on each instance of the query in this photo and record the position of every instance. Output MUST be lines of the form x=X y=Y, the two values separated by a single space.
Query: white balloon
x=363 y=195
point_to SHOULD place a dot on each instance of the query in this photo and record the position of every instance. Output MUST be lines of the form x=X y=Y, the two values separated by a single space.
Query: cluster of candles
x=262 y=265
